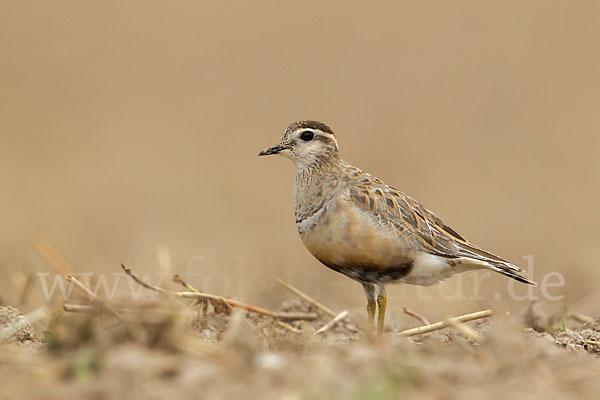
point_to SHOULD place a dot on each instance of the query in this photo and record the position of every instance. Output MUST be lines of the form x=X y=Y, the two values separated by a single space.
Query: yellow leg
x=369 y=289
x=371 y=312
x=381 y=303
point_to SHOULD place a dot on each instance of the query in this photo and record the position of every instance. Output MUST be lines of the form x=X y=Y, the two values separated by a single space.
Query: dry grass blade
x=79 y=308
x=416 y=315
x=215 y=304
x=27 y=286
x=332 y=323
x=94 y=298
x=229 y=302
x=87 y=309
x=464 y=329
x=52 y=257
x=288 y=327
x=306 y=297
x=178 y=279
x=62 y=267
x=444 y=324
x=584 y=319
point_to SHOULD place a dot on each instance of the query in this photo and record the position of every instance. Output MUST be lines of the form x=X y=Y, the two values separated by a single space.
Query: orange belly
x=352 y=241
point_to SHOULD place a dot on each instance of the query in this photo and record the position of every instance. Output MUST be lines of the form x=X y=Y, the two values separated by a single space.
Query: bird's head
x=306 y=143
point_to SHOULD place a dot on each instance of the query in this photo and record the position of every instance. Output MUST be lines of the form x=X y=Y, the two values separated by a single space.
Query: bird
x=357 y=225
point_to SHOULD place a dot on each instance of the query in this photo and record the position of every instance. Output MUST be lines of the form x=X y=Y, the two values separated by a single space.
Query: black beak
x=271 y=150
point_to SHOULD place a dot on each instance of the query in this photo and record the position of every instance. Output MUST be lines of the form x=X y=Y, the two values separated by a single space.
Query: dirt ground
x=169 y=349
x=129 y=133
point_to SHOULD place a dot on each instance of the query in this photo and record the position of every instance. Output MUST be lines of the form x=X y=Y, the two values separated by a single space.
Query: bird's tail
x=512 y=273
x=501 y=266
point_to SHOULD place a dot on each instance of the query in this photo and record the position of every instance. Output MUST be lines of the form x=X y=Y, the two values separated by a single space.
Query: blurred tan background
x=129 y=132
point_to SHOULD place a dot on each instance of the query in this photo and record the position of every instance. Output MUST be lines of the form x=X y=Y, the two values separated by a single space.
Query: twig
x=216 y=304
x=306 y=297
x=416 y=315
x=332 y=323
x=204 y=303
x=93 y=298
x=229 y=302
x=444 y=324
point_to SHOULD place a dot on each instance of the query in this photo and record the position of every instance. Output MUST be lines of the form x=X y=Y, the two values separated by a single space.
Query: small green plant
x=85 y=365
x=392 y=383
x=52 y=343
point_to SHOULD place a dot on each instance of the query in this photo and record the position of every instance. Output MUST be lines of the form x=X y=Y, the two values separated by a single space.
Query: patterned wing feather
x=431 y=234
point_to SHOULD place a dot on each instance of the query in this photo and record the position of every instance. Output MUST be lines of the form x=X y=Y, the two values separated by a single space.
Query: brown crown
x=309 y=125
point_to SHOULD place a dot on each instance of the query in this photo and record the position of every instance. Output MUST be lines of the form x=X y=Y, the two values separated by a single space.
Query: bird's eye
x=307 y=136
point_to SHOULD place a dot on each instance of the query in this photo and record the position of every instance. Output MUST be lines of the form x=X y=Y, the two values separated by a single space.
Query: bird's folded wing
x=409 y=217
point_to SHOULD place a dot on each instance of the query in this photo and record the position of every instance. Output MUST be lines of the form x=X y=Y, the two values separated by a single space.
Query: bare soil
x=166 y=350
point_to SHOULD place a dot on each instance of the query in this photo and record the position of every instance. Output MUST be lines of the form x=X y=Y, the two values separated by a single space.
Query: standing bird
x=359 y=226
